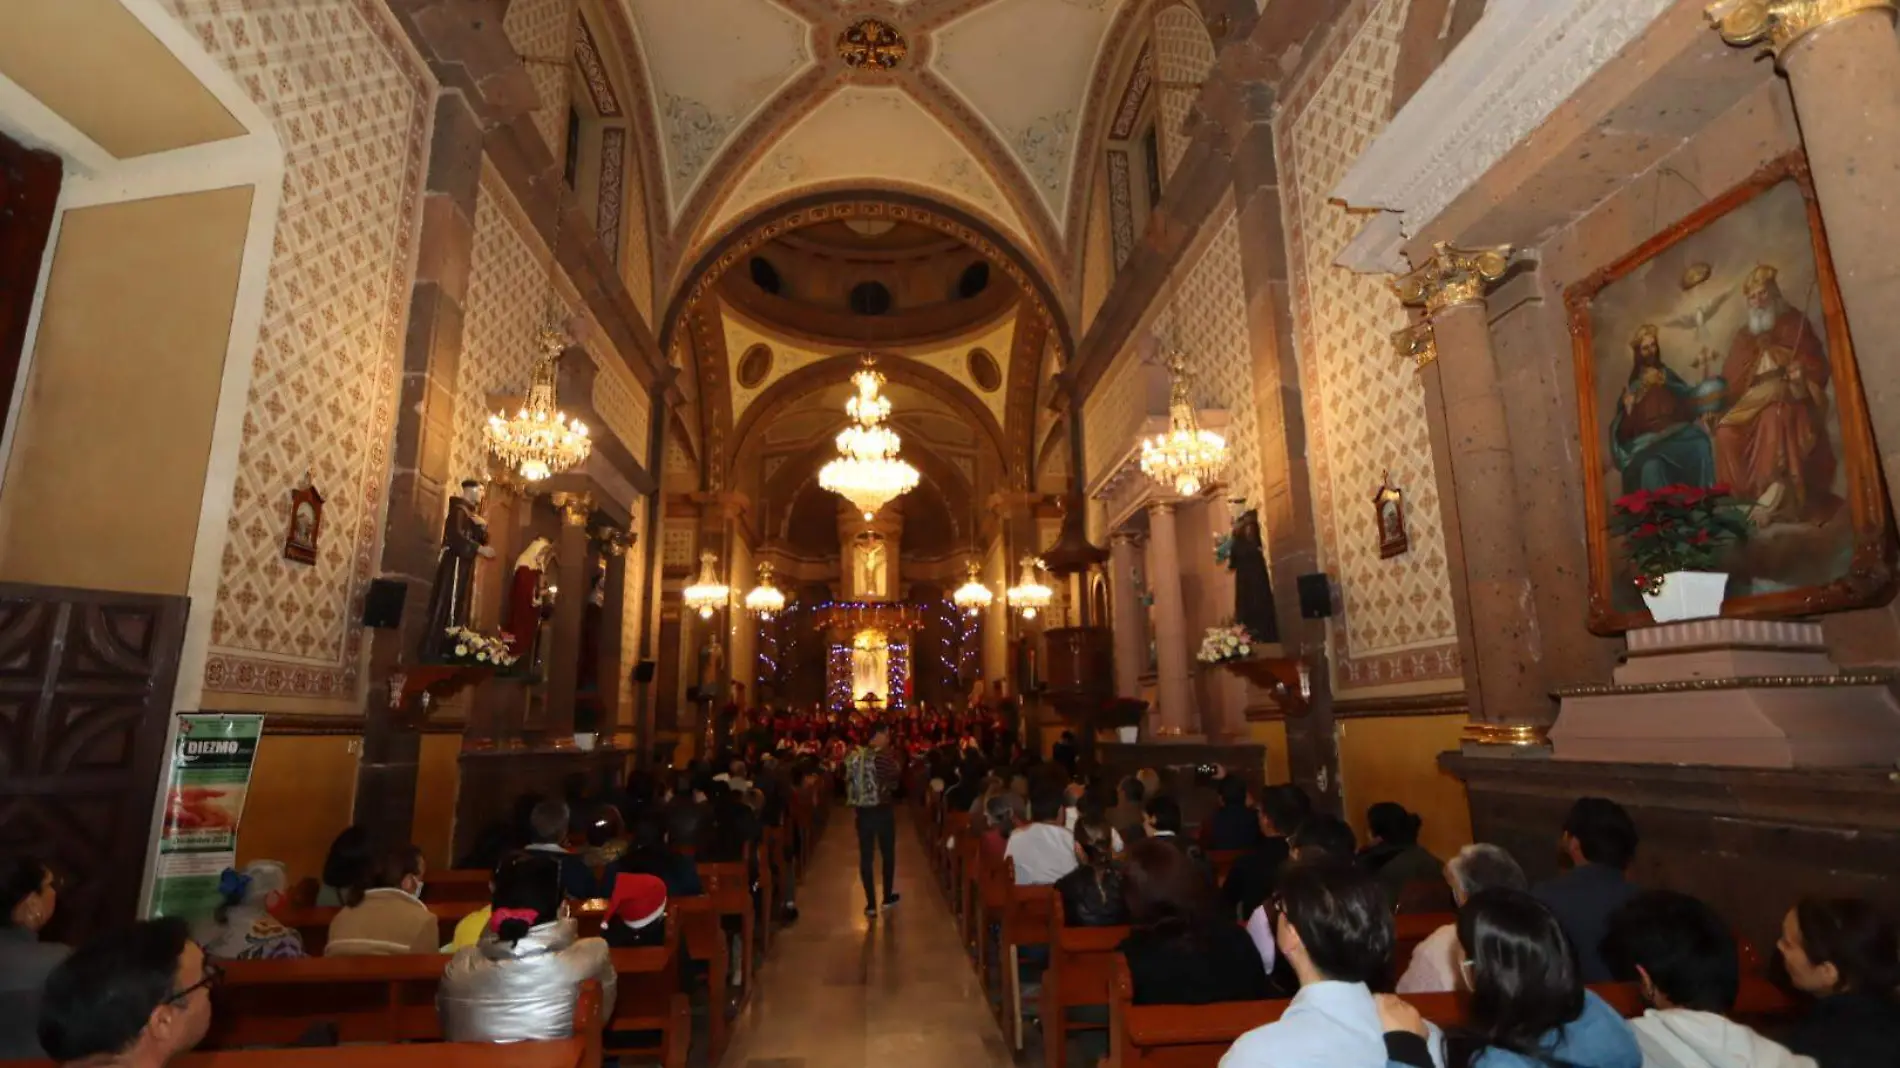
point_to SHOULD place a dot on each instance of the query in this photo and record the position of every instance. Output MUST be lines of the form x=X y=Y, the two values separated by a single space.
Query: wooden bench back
x=1196 y=1036
x=1027 y=911
x=457 y=884
x=1081 y=960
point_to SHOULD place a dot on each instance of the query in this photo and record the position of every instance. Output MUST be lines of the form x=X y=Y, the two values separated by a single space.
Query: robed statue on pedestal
x=1246 y=555
x=452 y=595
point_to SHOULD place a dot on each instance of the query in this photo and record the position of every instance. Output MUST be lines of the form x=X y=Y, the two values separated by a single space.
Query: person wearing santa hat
x=636 y=913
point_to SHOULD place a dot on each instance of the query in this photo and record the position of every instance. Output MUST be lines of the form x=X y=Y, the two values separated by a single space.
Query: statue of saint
x=531 y=595
x=1253 y=588
x=464 y=539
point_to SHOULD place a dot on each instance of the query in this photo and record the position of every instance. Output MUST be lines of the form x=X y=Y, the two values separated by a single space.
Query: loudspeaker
x=1316 y=596
x=643 y=671
x=382 y=603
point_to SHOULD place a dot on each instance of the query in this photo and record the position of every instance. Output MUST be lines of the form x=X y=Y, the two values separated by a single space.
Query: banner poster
x=204 y=800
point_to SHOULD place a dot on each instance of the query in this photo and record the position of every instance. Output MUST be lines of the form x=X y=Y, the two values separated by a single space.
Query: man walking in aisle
x=870 y=775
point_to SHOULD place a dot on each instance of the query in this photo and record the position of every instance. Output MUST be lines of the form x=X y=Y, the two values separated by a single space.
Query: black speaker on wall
x=643 y=671
x=382 y=603
x=1316 y=596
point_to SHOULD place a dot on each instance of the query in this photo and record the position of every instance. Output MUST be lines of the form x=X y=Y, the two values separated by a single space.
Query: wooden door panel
x=86 y=680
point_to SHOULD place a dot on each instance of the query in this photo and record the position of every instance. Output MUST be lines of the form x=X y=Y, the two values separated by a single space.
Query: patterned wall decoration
x=632 y=611
x=623 y=407
x=507 y=304
x=613 y=189
x=350 y=102
x=1134 y=95
x=676 y=548
x=1098 y=257
x=1114 y=411
x=636 y=258
x=545 y=29
x=1121 y=206
x=1365 y=412
x=1186 y=55
x=1210 y=320
x=600 y=87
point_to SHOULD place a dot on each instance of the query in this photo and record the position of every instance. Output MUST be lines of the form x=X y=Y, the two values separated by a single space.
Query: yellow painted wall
x=438 y=781
x=1396 y=759
x=303 y=789
x=1272 y=734
x=108 y=468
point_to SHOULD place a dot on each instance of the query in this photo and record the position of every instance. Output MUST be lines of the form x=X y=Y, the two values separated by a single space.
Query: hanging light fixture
x=972 y=596
x=868 y=471
x=765 y=600
x=1186 y=457
x=540 y=440
x=1030 y=595
x=707 y=594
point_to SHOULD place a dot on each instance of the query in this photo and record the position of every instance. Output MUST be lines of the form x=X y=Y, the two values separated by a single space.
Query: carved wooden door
x=86 y=680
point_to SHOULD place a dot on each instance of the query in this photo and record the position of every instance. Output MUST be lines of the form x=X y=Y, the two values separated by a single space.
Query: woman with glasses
x=520 y=982
x=28 y=892
x=1528 y=1005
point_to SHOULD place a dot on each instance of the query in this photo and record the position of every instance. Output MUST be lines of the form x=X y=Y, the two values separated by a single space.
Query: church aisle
x=839 y=991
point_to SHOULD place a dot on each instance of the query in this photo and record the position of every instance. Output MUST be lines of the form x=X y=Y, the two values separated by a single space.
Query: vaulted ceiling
x=990 y=111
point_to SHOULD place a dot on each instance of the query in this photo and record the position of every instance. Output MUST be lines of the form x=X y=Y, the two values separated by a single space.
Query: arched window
x=870 y=298
x=974 y=280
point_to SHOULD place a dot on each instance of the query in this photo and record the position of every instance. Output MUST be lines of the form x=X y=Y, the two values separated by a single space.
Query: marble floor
x=841 y=991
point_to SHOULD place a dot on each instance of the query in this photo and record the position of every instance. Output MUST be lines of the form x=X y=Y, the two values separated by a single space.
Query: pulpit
x=1080 y=684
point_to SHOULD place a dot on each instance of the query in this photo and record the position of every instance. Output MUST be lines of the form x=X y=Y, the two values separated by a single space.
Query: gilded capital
x=1780 y=23
x=575 y=507
x=1453 y=276
x=1417 y=344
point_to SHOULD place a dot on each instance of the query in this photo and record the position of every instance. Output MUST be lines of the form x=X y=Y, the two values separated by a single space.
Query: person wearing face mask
x=28 y=893
x=520 y=982
x=1333 y=925
x=132 y=998
x=1842 y=952
x=243 y=927
x=386 y=917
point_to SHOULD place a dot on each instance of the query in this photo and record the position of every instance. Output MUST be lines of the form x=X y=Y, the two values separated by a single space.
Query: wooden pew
x=729 y=886
x=457 y=884
x=584 y=1050
x=1081 y=970
x=1197 y=1036
x=1025 y=922
x=956 y=826
x=1409 y=929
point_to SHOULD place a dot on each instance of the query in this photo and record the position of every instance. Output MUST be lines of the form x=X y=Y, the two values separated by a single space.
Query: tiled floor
x=841 y=991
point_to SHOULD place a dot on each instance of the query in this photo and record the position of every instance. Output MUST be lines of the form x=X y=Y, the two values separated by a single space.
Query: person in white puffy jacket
x=1686 y=961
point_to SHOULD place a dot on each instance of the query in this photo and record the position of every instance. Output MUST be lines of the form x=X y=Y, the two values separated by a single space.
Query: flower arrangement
x=1677 y=528
x=478 y=649
x=1229 y=641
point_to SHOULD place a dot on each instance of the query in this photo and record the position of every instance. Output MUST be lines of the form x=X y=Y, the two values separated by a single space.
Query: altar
x=868 y=662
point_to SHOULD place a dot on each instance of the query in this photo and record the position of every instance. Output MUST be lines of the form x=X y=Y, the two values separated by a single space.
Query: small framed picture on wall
x=1388 y=504
x=305 y=524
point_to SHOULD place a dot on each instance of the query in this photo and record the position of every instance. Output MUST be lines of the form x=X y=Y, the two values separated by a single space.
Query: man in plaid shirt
x=871 y=774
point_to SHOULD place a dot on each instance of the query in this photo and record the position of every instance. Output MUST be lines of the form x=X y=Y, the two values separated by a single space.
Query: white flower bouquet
x=1223 y=643
x=467 y=646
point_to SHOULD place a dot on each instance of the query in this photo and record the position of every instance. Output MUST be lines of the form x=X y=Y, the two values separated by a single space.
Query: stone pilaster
x=1498 y=634
x=1174 y=681
x=570 y=608
x=1131 y=647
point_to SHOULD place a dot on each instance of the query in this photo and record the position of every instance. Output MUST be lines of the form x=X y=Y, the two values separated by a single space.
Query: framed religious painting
x=1388 y=507
x=1716 y=354
x=305 y=524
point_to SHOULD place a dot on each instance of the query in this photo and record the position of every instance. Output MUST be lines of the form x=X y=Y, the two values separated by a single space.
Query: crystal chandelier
x=868 y=472
x=972 y=596
x=540 y=440
x=1186 y=457
x=1030 y=595
x=707 y=594
x=765 y=600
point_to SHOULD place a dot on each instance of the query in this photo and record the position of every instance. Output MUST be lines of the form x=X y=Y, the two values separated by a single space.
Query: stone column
x=1504 y=679
x=1174 y=681
x=1124 y=549
x=614 y=668
x=420 y=476
x=1843 y=65
x=570 y=607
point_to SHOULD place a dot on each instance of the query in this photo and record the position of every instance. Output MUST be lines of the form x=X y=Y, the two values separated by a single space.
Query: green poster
x=204 y=800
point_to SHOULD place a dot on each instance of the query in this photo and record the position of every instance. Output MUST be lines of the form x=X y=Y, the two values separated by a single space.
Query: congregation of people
x=1299 y=909
x=1306 y=911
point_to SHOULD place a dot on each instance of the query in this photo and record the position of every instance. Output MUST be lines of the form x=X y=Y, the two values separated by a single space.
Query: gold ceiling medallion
x=871 y=44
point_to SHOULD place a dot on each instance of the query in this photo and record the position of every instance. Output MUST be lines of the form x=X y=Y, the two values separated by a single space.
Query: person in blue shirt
x=1334 y=926
x=1528 y=1005
x=1599 y=841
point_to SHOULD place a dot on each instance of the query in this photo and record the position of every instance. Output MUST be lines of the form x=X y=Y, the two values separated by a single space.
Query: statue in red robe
x=530 y=596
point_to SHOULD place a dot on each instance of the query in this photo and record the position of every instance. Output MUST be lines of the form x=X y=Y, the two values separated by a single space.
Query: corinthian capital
x=575 y=507
x=1453 y=276
x=1416 y=344
x=1780 y=23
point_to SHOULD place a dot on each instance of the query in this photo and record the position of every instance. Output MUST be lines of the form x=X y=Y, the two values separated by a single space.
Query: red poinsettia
x=1677 y=528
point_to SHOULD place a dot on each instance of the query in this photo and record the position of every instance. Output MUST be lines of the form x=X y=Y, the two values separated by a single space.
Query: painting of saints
x=1771 y=441
x=1717 y=354
x=1655 y=438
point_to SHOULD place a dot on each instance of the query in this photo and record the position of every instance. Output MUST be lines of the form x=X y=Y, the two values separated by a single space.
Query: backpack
x=860 y=778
